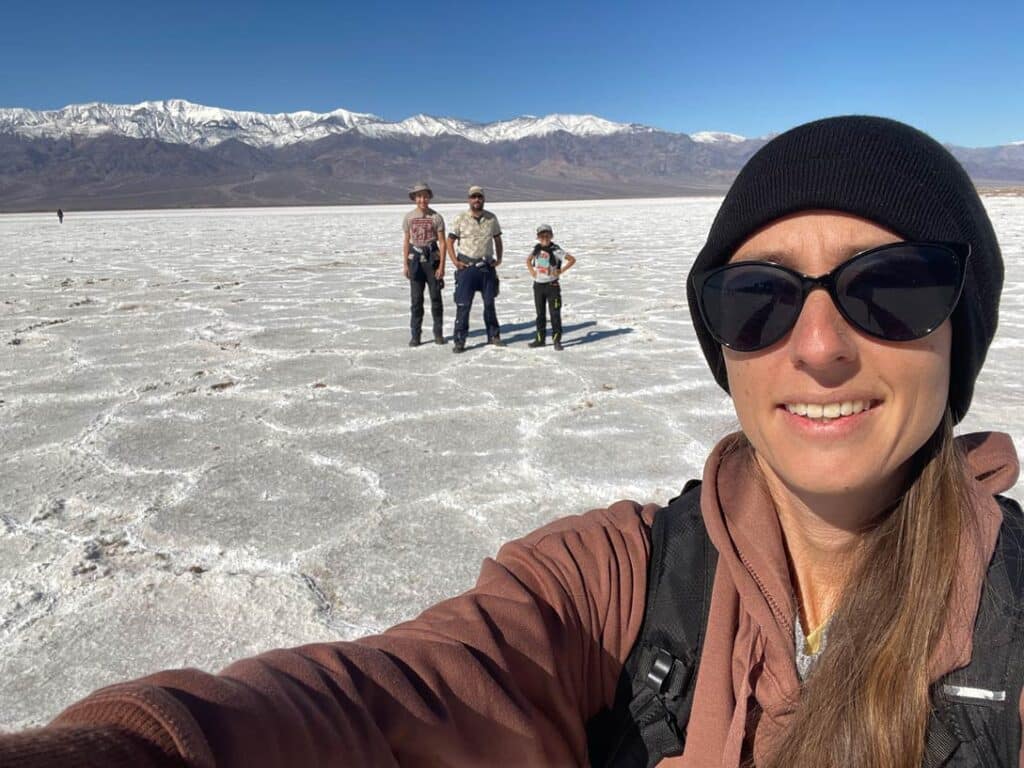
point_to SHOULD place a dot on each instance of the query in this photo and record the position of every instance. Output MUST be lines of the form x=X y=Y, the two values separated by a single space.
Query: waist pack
x=976 y=716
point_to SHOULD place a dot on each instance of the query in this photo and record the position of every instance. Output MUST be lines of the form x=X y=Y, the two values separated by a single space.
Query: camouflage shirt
x=476 y=235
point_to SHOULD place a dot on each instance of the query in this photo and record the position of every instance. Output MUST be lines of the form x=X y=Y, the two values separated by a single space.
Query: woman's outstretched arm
x=507 y=673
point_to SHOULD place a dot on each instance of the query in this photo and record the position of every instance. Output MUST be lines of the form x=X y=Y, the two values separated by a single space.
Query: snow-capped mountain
x=503 y=130
x=717 y=137
x=176 y=121
x=174 y=153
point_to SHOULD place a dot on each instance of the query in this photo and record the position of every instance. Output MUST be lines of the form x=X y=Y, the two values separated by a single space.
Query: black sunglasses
x=896 y=292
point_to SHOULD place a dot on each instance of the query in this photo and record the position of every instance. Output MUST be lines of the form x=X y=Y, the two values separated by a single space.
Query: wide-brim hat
x=421 y=186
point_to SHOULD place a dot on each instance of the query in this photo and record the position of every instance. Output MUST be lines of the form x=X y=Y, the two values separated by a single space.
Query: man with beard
x=476 y=257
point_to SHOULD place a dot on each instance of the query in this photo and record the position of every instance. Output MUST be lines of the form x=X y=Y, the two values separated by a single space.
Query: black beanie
x=880 y=170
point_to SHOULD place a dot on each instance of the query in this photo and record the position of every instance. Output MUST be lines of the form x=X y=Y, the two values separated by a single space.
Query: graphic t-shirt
x=546 y=261
x=422 y=228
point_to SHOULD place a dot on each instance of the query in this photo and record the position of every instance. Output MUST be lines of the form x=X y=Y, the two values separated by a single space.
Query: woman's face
x=782 y=393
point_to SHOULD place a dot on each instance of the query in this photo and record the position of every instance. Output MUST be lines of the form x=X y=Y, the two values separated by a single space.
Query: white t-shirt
x=547 y=262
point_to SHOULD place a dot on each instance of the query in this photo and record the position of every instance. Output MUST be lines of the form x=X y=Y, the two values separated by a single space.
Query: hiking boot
x=460 y=346
x=495 y=341
x=536 y=343
x=414 y=341
x=558 y=346
x=439 y=339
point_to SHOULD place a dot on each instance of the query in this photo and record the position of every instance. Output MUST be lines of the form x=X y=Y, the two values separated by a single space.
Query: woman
x=853 y=533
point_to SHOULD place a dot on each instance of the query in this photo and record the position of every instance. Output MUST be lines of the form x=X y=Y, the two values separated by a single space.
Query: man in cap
x=476 y=256
x=423 y=261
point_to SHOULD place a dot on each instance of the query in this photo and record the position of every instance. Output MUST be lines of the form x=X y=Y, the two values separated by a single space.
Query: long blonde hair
x=867 y=704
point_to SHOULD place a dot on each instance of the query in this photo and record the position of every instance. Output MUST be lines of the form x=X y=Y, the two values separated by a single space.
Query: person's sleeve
x=454 y=231
x=496 y=227
x=405 y=224
x=86 y=747
x=438 y=222
x=505 y=674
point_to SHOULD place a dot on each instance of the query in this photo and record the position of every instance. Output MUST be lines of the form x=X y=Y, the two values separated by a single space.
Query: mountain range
x=178 y=154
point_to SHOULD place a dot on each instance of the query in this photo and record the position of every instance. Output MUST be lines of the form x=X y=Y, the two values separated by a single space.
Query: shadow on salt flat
x=567 y=330
x=592 y=336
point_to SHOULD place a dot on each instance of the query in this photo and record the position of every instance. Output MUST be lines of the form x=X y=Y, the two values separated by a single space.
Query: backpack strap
x=557 y=261
x=652 y=705
x=976 y=720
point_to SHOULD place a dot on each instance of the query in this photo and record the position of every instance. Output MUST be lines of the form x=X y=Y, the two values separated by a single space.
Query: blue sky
x=954 y=69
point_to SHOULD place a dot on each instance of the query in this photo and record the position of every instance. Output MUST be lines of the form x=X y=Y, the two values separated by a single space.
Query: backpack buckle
x=661 y=668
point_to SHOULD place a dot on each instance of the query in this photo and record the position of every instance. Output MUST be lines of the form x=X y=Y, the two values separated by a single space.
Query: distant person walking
x=475 y=248
x=547 y=263
x=60 y=215
x=423 y=262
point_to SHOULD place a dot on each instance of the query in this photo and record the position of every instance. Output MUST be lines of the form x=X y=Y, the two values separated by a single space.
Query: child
x=547 y=263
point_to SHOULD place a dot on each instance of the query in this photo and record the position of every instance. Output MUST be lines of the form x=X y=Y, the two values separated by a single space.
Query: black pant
x=548 y=296
x=421 y=274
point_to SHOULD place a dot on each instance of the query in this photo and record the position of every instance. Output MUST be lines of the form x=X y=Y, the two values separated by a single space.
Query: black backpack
x=976 y=720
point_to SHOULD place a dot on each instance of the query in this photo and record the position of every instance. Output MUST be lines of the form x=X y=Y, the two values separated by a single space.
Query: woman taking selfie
x=842 y=589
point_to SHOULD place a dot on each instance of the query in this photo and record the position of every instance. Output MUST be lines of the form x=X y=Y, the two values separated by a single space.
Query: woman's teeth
x=828 y=410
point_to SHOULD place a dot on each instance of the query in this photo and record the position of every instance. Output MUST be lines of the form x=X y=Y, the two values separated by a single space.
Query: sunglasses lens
x=750 y=306
x=900 y=293
x=897 y=292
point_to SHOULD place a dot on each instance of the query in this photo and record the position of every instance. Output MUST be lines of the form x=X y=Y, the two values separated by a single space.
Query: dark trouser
x=548 y=296
x=421 y=274
x=467 y=282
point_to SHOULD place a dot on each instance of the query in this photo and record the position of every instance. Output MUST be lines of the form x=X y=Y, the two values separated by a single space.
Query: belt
x=471 y=262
